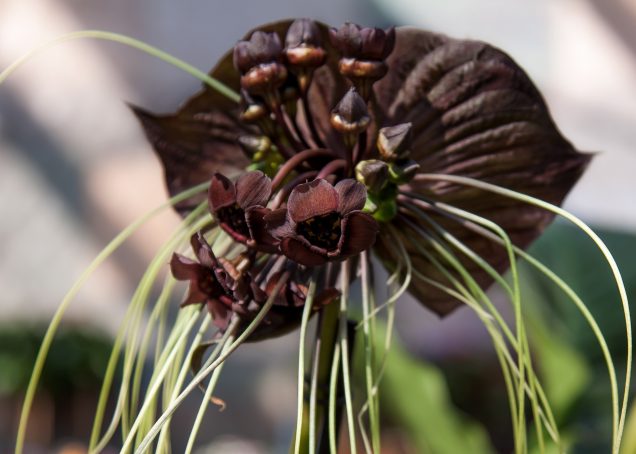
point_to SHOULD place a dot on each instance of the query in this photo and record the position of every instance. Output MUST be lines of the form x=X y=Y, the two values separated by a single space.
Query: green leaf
x=415 y=395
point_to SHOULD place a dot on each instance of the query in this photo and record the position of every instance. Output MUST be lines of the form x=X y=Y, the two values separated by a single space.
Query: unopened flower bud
x=403 y=171
x=394 y=141
x=252 y=108
x=373 y=173
x=351 y=115
x=261 y=48
x=303 y=44
x=259 y=61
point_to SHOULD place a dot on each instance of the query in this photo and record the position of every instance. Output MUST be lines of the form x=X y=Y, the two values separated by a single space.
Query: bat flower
x=239 y=208
x=225 y=291
x=323 y=222
x=397 y=110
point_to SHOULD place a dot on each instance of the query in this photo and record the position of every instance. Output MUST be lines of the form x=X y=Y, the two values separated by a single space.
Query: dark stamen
x=234 y=217
x=322 y=231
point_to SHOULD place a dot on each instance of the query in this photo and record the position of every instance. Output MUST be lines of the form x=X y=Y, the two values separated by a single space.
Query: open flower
x=239 y=208
x=226 y=291
x=443 y=106
x=323 y=223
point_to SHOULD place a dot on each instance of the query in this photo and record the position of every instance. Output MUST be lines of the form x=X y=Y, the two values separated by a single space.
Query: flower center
x=234 y=217
x=322 y=231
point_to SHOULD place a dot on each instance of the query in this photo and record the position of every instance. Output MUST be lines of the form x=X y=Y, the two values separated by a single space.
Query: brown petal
x=253 y=189
x=200 y=138
x=352 y=195
x=311 y=199
x=278 y=224
x=183 y=268
x=202 y=250
x=301 y=253
x=221 y=193
x=263 y=240
x=358 y=233
x=475 y=113
x=220 y=314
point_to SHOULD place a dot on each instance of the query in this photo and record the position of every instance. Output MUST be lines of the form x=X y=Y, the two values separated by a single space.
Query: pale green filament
x=344 y=352
x=128 y=41
x=301 y=366
x=333 y=395
x=369 y=332
x=618 y=421
x=154 y=430
x=484 y=265
x=499 y=279
x=133 y=320
x=206 y=398
x=57 y=317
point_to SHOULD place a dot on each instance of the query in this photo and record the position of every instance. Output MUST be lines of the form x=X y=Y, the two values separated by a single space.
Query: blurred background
x=75 y=169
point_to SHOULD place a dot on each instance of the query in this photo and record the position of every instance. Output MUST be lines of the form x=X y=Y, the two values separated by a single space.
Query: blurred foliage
x=77 y=359
x=416 y=397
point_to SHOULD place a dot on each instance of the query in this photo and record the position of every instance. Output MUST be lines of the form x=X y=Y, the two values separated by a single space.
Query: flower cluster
x=333 y=150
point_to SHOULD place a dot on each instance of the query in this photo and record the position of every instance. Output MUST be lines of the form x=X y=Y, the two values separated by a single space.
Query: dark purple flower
x=226 y=291
x=435 y=105
x=239 y=208
x=323 y=223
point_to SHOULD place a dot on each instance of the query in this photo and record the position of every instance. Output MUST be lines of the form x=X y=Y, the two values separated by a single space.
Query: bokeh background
x=75 y=169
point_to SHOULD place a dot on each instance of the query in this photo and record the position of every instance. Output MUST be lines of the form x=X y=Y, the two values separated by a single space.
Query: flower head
x=323 y=222
x=387 y=107
x=239 y=208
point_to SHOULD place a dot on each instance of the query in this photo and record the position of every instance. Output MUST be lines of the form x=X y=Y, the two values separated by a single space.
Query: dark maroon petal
x=253 y=189
x=475 y=113
x=302 y=253
x=183 y=268
x=278 y=223
x=220 y=314
x=202 y=250
x=346 y=39
x=261 y=236
x=200 y=138
x=311 y=199
x=358 y=233
x=222 y=192
x=352 y=195
x=195 y=296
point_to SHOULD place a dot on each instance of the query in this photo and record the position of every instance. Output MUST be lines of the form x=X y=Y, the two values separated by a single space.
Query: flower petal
x=183 y=268
x=301 y=253
x=358 y=233
x=278 y=223
x=311 y=199
x=475 y=113
x=352 y=195
x=203 y=250
x=261 y=236
x=221 y=193
x=252 y=189
x=200 y=138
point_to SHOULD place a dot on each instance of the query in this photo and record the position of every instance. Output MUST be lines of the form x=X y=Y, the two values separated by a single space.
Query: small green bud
x=403 y=171
x=373 y=174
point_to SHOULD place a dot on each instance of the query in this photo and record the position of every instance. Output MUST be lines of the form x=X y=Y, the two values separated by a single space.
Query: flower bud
x=394 y=141
x=351 y=116
x=373 y=173
x=259 y=62
x=261 y=48
x=303 y=44
x=403 y=171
